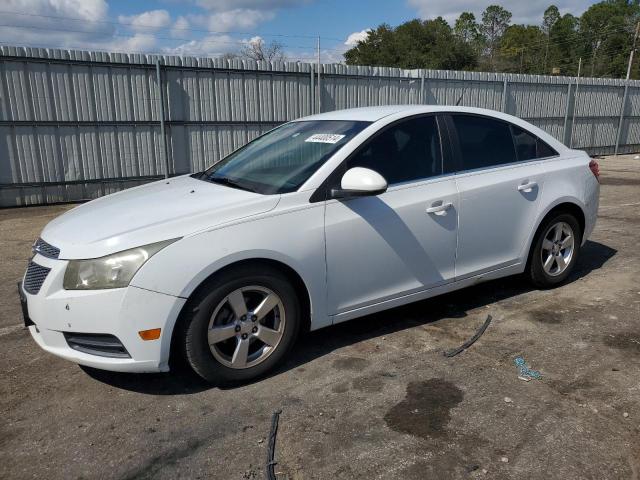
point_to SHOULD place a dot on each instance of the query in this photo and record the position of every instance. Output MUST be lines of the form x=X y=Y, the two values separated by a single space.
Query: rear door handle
x=527 y=187
x=442 y=207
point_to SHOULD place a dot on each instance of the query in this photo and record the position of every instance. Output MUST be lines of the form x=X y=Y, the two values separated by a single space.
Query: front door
x=402 y=241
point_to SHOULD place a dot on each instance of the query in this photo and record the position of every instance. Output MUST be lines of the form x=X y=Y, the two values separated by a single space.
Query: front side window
x=406 y=151
x=283 y=159
x=484 y=142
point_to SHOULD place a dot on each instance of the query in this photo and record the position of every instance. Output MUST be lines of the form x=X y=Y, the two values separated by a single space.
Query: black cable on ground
x=471 y=341
x=271 y=449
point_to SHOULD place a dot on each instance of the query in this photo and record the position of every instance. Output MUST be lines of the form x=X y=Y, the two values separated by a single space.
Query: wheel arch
x=296 y=279
x=566 y=206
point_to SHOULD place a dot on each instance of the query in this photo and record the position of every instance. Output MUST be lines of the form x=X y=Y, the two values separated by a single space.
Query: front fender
x=294 y=238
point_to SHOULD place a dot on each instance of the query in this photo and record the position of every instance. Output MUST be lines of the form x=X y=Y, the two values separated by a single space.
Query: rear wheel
x=242 y=325
x=555 y=250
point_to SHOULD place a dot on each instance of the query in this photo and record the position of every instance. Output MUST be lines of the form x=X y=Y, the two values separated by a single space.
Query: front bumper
x=121 y=312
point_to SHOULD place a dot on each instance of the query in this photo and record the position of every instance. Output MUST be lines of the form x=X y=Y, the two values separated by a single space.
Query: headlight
x=112 y=271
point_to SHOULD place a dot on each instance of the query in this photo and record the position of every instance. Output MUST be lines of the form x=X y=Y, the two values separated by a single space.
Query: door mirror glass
x=360 y=182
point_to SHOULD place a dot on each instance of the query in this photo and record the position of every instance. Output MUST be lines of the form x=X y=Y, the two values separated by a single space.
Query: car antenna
x=460 y=98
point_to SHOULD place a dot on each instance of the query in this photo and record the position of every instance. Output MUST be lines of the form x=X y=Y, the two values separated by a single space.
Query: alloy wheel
x=557 y=248
x=246 y=327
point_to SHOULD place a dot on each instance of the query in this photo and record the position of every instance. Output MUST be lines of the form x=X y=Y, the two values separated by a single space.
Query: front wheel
x=555 y=251
x=241 y=326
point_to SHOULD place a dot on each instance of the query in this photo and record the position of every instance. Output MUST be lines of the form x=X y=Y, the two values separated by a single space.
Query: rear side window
x=484 y=142
x=530 y=147
x=406 y=151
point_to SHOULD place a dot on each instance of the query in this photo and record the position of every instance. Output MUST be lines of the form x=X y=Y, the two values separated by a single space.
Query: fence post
x=505 y=89
x=312 y=92
x=566 y=116
x=165 y=157
x=621 y=120
x=319 y=90
x=319 y=85
x=575 y=99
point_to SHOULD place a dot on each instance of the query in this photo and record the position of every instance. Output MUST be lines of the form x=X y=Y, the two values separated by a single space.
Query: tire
x=547 y=244
x=242 y=348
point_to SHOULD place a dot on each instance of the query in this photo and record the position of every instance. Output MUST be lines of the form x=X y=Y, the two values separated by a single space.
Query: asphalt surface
x=371 y=398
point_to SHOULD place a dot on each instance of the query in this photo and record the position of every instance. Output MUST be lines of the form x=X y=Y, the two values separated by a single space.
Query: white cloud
x=524 y=11
x=230 y=20
x=56 y=23
x=209 y=46
x=139 y=43
x=238 y=18
x=226 y=5
x=76 y=24
x=88 y=25
x=147 y=21
x=353 y=39
x=180 y=27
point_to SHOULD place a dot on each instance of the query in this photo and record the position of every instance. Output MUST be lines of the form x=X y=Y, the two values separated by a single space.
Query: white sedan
x=318 y=221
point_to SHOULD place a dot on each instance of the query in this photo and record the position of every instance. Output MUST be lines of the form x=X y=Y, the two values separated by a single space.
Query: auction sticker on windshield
x=325 y=138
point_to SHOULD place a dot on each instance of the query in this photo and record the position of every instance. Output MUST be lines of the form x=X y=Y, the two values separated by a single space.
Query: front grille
x=101 y=344
x=34 y=278
x=45 y=249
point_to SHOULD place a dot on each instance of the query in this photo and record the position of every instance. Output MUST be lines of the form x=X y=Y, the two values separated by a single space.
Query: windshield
x=284 y=158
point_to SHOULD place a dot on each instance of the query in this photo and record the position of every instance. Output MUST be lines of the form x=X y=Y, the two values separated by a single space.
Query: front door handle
x=440 y=208
x=527 y=187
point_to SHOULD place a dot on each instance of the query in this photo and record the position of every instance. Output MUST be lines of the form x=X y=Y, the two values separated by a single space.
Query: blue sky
x=214 y=27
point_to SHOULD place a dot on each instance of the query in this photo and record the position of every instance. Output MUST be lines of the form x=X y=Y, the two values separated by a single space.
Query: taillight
x=595 y=169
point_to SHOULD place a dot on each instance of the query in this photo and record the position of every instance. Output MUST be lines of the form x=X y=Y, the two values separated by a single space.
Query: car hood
x=150 y=213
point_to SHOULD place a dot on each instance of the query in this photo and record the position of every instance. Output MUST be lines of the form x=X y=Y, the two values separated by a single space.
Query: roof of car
x=372 y=114
x=369 y=114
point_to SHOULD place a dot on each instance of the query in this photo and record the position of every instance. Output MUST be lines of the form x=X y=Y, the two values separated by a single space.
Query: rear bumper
x=591 y=211
x=121 y=312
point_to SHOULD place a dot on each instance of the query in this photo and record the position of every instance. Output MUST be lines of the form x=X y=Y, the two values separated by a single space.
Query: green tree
x=549 y=19
x=602 y=36
x=606 y=30
x=522 y=49
x=495 y=21
x=413 y=44
x=379 y=48
x=466 y=28
x=563 y=40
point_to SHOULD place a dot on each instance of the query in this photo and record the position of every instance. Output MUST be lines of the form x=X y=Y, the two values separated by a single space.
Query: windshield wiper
x=228 y=182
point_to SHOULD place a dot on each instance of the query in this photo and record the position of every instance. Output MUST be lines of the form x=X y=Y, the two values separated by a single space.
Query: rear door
x=402 y=241
x=500 y=187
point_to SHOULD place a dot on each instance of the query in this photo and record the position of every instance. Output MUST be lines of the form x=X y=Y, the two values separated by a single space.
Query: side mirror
x=360 y=182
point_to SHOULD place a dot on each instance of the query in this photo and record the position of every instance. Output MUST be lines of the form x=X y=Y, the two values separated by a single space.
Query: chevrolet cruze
x=318 y=221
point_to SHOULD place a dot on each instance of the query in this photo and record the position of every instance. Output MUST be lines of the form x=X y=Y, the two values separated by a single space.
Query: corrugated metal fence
x=76 y=125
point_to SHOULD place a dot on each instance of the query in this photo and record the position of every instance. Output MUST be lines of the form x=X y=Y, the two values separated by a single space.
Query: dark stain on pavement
x=545 y=316
x=568 y=388
x=425 y=410
x=350 y=363
x=368 y=384
x=340 y=388
x=627 y=341
x=152 y=467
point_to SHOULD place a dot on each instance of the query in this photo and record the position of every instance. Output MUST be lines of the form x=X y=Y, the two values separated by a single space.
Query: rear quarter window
x=530 y=147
